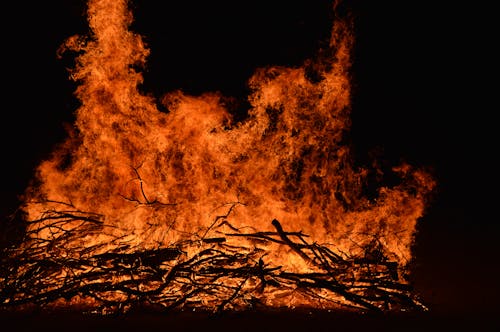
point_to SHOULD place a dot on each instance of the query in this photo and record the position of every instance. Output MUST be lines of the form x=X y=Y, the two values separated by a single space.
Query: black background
x=423 y=80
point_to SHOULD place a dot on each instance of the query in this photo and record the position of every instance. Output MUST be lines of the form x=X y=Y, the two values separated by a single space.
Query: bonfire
x=188 y=208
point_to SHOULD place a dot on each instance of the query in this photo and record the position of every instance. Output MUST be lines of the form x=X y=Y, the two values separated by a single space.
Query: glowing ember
x=189 y=207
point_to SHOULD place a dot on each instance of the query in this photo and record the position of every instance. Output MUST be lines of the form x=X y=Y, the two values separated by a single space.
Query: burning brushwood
x=217 y=274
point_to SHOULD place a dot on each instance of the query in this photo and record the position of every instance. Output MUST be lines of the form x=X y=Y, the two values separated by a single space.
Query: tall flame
x=160 y=177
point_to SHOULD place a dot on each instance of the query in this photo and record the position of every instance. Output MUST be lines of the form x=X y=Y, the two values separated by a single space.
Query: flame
x=157 y=178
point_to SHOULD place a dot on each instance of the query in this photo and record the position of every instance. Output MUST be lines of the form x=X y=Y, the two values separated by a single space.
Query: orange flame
x=158 y=178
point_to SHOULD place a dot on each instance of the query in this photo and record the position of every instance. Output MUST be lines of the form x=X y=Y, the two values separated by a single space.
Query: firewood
x=221 y=275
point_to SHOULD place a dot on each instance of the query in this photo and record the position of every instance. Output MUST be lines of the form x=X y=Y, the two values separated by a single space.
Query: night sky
x=420 y=94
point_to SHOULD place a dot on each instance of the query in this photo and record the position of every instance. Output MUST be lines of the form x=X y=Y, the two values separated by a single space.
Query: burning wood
x=211 y=273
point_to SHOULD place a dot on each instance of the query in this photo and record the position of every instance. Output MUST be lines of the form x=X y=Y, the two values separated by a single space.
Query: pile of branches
x=213 y=273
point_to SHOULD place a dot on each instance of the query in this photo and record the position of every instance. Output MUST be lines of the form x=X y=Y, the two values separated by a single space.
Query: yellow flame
x=158 y=178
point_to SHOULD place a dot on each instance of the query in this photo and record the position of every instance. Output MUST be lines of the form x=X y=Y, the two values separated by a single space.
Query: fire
x=279 y=187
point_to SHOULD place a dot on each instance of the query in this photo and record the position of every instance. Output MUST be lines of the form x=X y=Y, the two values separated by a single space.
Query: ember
x=190 y=208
